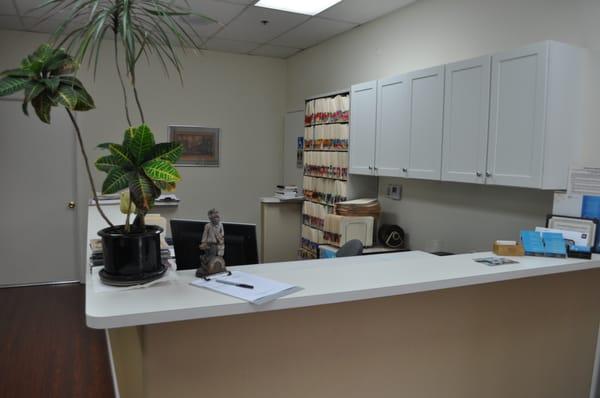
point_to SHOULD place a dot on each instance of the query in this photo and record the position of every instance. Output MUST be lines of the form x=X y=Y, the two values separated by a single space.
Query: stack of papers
x=263 y=290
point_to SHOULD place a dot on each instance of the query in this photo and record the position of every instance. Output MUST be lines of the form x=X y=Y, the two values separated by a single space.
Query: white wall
x=460 y=217
x=242 y=95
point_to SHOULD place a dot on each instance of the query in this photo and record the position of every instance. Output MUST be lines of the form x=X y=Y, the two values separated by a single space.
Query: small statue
x=213 y=244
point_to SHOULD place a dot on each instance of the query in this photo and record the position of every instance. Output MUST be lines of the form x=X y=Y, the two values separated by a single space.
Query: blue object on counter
x=554 y=244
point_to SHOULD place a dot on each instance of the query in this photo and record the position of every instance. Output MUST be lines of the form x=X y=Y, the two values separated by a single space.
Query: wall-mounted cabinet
x=405 y=137
x=466 y=117
x=426 y=122
x=512 y=119
x=363 y=119
x=535 y=115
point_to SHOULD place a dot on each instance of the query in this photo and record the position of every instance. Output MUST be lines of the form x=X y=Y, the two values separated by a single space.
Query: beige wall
x=459 y=217
x=242 y=95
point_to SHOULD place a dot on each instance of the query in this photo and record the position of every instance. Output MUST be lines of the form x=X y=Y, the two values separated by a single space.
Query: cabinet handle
x=370 y=168
x=478 y=174
x=488 y=174
x=405 y=169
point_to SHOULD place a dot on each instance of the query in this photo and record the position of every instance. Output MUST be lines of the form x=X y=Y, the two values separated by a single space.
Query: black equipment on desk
x=391 y=236
x=240 y=243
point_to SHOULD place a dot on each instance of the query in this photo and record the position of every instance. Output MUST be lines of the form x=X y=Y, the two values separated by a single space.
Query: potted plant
x=141 y=29
x=132 y=251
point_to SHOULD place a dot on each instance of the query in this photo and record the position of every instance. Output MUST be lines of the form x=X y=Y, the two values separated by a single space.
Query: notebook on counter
x=251 y=288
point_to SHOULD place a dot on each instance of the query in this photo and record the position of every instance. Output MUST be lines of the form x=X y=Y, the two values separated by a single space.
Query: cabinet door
x=363 y=114
x=393 y=121
x=425 y=130
x=517 y=116
x=466 y=117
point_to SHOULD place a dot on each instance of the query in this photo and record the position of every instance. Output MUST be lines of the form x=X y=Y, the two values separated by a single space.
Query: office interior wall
x=449 y=216
x=244 y=96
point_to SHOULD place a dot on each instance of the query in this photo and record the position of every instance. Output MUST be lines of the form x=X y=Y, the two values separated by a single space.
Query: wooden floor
x=46 y=350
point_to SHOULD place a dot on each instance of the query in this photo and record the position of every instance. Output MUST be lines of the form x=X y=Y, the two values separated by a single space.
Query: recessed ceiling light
x=308 y=7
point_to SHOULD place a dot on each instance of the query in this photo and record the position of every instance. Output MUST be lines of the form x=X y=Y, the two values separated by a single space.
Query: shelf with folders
x=325 y=183
x=330 y=137
x=313 y=214
x=333 y=165
x=325 y=191
x=327 y=110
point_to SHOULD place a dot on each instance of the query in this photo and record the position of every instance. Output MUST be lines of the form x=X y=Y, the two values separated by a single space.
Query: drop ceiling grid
x=240 y=30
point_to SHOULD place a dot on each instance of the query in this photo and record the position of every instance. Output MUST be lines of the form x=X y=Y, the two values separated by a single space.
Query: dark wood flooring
x=46 y=349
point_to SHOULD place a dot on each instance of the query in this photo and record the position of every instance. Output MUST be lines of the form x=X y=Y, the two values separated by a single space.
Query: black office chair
x=351 y=248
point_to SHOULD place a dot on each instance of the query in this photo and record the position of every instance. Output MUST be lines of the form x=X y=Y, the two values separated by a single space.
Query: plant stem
x=87 y=166
x=137 y=98
x=122 y=82
x=127 y=222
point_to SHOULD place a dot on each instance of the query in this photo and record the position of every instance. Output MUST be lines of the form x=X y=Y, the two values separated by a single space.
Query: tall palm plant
x=144 y=28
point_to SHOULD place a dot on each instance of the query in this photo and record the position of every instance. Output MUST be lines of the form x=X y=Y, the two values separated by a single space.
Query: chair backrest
x=351 y=248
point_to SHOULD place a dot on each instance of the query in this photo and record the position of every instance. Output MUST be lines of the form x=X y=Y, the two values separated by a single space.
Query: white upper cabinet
x=535 y=118
x=513 y=119
x=363 y=116
x=393 y=122
x=466 y=117
x=517 y=116
x=426 y=104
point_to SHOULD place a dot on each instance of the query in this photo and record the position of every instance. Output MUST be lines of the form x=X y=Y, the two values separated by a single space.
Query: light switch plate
x=394 y=191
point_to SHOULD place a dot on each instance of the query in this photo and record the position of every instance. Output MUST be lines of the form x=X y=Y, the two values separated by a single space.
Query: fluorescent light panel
x=308 y=7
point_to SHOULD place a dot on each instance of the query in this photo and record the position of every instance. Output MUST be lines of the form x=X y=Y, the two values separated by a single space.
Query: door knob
x=405 y=169
x=370 y=168
x=478 y=174
x=488 y=174
x=71 y=205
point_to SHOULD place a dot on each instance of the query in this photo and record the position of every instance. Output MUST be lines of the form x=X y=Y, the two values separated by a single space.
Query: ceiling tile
x=29 y=8
x=220 y=11
x=7 y=8
x=10 y=22
x=357 y=11
x=232 y=46
x=275 y=51
x=312 y=32
x=39 y=25
x=248 y=26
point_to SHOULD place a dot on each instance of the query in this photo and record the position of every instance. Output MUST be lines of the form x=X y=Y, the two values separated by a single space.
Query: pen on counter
x=245 y=286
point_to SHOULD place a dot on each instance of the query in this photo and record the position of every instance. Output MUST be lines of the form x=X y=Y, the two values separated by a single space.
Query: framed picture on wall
x=200 y=145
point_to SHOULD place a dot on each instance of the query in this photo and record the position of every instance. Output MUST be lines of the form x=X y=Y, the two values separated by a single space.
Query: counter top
x=322 y=281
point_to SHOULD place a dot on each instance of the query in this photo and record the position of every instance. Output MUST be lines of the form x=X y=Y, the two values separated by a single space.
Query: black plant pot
x=131 y=258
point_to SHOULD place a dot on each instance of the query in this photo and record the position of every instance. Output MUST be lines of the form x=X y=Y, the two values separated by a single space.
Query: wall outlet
x=394 y=191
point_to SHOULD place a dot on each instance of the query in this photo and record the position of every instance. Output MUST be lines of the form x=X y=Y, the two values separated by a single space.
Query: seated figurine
x=213 y=244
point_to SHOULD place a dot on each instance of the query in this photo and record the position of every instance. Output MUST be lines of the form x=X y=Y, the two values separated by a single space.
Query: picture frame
x=201 y=145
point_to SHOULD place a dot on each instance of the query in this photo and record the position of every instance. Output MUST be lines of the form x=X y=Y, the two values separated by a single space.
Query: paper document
x=584 y=181
x=263 y=291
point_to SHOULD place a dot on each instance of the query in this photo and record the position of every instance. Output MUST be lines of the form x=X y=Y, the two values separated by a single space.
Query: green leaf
x=104 y=145
x=15 y=73
x=116 y=180
x=170 y=151
x=42 y=105
x=84 y=100
x=120 y=154
x=143 y=191
x=33 y=89
x=106 y=163
x=67 y=97
x=52 y=83
x=10 y=85
x=75 y=98
x=139 y=143
x=161 y=170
